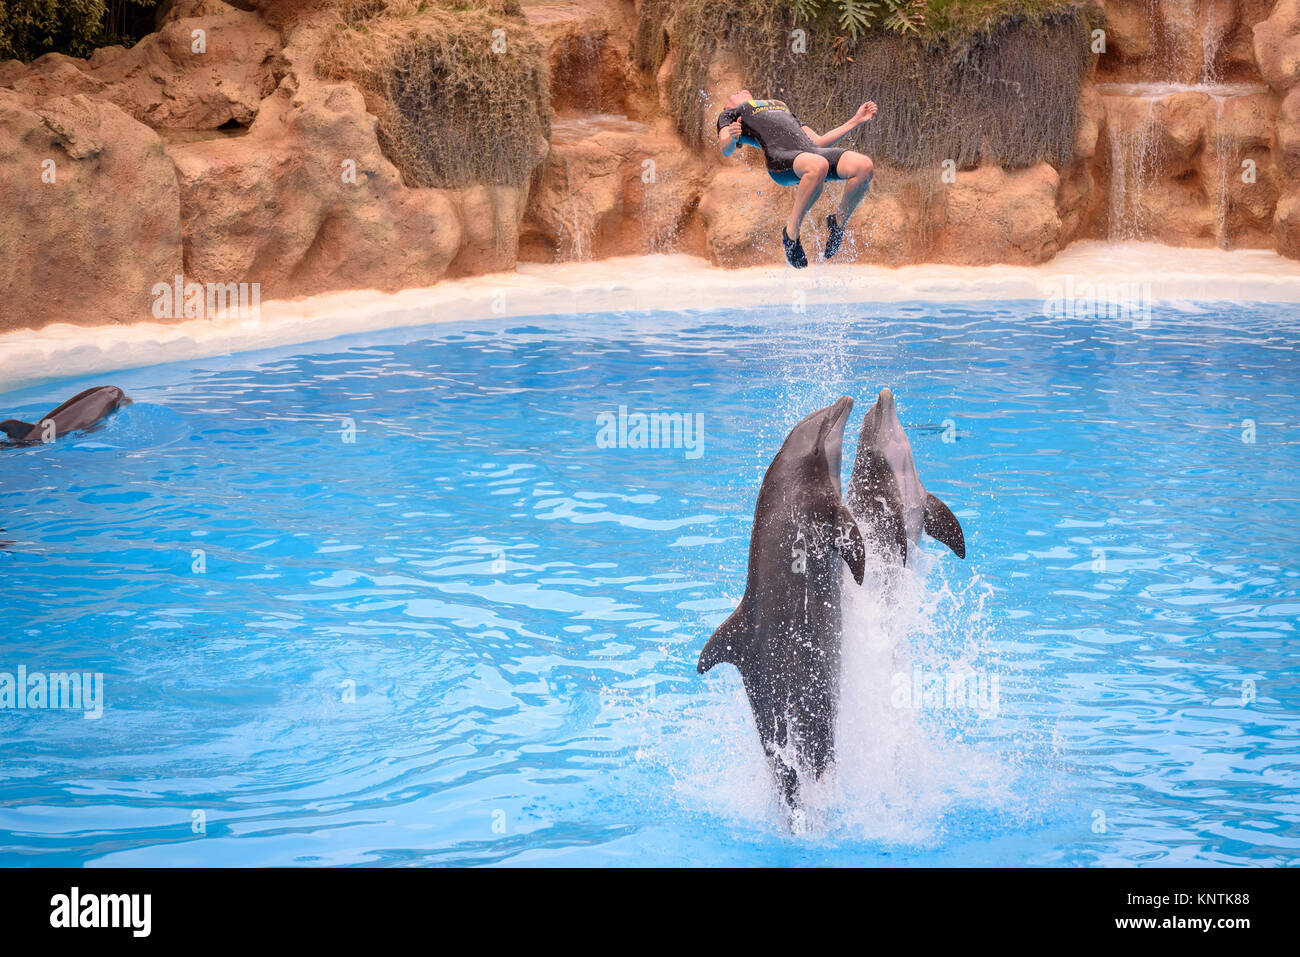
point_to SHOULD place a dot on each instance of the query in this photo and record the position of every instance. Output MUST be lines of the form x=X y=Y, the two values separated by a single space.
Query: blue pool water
x=469 y=634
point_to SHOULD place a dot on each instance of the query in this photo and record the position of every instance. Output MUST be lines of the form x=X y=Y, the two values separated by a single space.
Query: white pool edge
x=647 y=283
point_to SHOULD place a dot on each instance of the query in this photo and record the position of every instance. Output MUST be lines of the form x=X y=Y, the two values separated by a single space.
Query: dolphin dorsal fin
x=942 y=524
x=728 y=642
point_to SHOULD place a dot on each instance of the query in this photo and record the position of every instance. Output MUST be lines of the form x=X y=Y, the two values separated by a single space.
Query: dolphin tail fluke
x=727 y=642
x=848 y=539
x=942 y=524
x=16 y=429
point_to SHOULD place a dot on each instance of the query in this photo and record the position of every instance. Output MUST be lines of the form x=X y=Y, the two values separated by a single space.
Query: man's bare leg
x=856 y=170
x=812 y=170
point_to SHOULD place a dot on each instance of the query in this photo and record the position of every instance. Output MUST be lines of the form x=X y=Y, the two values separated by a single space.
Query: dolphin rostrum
x=784 y=637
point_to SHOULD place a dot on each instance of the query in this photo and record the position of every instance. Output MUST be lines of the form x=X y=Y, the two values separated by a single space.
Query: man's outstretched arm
x=865 y=112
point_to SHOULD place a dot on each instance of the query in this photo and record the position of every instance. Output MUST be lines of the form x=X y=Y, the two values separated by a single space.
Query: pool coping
x=1082 y=272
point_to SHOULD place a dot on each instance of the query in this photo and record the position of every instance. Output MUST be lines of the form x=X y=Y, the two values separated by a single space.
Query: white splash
x=901 y=765
x=900 y=771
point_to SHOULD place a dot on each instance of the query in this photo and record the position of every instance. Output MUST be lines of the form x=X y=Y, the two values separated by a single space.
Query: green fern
x=806 y=10
x=857 y=16
x=905 y=16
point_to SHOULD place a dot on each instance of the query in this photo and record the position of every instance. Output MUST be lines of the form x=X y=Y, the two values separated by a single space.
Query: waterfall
x=1211 y=43
x=1135 y=161
x=1222 y=147
x=1132 y=159
x=1140 y=178
x=577 y=228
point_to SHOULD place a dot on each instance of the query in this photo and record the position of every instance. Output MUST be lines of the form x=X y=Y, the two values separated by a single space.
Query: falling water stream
x=579 y=217
x=1135 y=160
x=1134 y=151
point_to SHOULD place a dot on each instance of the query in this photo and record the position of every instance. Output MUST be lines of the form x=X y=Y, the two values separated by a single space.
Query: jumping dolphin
x=784 y=637
x=885 y=491
x=82 y=411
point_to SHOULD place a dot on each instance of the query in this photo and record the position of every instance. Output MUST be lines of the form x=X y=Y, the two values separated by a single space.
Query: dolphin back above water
x=885 y=490
x=784 y=637
x=82 y=411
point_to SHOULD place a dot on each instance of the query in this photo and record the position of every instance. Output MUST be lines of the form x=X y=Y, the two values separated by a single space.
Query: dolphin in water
x=82 y=411
x=784 y=637
x=885 y=491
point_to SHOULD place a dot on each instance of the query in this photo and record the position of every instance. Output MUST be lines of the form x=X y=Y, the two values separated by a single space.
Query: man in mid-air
x=797 y=155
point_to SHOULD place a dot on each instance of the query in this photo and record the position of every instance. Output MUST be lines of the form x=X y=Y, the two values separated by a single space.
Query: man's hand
x=728 y=136
x=865 y=112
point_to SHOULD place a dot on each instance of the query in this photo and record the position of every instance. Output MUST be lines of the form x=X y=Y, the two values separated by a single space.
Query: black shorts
x=780 y=163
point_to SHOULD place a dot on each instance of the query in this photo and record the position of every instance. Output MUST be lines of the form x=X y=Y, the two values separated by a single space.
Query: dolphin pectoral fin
x=942 y=524
x=849 y=542
x=727 y=642
x=16 y=429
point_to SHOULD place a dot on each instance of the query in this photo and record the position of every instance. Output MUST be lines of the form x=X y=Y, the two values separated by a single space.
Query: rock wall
x=89 y=211
x=239 y=163
x=617 y=180
x=1181 y=41
x=213 y=150
x=1188 y=145
x=1178 y=141
x=974 y=216
x=1277 y=51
